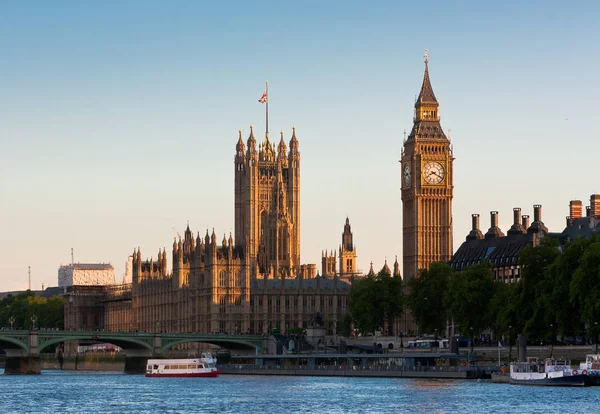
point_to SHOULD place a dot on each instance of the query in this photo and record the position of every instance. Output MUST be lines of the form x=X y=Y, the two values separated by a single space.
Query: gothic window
x=278 y=305
x=223 y=278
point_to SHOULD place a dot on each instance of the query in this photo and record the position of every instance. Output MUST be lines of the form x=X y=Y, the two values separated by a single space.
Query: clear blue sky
x=118 y=121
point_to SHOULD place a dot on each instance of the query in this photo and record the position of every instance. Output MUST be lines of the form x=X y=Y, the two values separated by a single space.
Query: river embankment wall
x=350 y=373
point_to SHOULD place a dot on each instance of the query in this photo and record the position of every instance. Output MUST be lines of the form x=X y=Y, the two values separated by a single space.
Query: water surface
x=87 y=392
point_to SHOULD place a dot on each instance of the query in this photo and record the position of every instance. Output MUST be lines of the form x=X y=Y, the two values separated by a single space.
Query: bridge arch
x=14 y=341
x=120 y=341
x=222 y=342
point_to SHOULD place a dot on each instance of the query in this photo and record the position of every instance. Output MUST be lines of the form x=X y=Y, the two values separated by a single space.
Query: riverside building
x=249 y=282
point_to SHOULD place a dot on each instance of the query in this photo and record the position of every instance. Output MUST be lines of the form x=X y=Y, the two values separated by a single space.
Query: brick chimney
x=516 y=228
x=525 y=221
x=575 y=209
x=595 y=205
x=475 y=233
x=537 y=225
x=494 y=230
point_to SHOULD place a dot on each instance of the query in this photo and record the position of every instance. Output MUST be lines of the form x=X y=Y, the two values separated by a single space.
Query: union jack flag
x=263 y=98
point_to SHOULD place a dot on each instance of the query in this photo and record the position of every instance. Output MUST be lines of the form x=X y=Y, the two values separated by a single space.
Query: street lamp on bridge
x=11 y=320
x=33 y=321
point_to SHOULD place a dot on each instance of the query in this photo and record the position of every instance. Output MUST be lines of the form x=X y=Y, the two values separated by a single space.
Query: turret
x=386 y=269
x=282 y=152
x=251 y=143
x=240 y=148
x=396 y=267
x=293 y=145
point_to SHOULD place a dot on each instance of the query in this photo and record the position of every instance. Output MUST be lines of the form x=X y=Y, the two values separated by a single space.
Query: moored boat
x=548 y=372
x=591 y=367
x=205 y=366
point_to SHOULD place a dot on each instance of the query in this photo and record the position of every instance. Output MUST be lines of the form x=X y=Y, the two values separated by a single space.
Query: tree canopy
x=375 y=300
x=49 y=313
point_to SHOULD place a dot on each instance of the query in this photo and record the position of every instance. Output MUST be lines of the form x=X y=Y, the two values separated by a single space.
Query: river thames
x=80 y=392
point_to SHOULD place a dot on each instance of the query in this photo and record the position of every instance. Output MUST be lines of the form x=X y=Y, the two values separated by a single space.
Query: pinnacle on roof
x=240 y=144
x=386 y=269
x=426 y=94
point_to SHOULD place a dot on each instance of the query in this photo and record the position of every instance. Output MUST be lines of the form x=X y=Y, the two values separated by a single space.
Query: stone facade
x=427 y=187
x=86 y=274
x=247 y=283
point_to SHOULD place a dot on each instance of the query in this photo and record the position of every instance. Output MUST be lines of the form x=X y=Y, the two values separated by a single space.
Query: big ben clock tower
x=427 y=187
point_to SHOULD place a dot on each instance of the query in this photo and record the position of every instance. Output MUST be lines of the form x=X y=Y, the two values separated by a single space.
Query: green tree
x=535 y=310
x=49 y=313
x=346 y=325
x=375 y=300
x=364 y=307
x=426 y=297
x=468 y=298
x=585 y=287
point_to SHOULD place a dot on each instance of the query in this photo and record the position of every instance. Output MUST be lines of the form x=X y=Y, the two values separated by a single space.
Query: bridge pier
x=135 y=365
x=22 y=365
x=136 y=361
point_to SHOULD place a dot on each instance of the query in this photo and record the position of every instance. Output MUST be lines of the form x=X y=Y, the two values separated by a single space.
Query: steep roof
x=500 y=251
x=426 y=94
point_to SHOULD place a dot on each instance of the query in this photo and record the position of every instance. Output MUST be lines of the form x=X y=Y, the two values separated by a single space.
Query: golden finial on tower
x=426 y=55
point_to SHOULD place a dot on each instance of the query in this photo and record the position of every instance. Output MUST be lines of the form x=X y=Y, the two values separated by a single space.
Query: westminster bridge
x=23 y=347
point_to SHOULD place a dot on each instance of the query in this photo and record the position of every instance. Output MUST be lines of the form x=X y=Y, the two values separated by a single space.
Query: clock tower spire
x=427 y=186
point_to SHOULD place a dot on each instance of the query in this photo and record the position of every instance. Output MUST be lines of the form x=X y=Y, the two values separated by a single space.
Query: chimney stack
x=475 y=233
x=595 y=205
x=575 y=209
x=538 y=225
x=537 y=213
x=525 y=221
x=493 y=219
x=516 y=228
x=569 y=221
x=588 y=211
x=493 y=231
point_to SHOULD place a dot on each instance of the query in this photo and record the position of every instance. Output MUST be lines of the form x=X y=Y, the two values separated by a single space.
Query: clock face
x=406 y=174
x=433 y=172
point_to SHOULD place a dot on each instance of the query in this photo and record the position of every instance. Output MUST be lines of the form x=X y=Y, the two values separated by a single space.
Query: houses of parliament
x=253 y=280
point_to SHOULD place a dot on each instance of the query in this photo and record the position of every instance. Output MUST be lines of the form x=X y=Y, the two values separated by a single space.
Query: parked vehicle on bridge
x=205 y=366
x=429 y=343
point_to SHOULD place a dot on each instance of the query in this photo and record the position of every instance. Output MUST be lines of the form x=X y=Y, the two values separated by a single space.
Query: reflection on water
x=58 y=392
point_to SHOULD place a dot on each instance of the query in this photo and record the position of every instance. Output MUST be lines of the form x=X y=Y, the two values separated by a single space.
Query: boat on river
x=591 y=367
x=205 y=366
x=548 y=372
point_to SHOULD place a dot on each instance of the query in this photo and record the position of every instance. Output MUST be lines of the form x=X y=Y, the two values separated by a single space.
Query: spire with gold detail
x=371 y=271
x=427 y=117
x=426 y=94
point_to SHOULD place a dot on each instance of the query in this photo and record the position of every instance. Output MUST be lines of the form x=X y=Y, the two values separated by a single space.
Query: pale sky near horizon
x=118 y=123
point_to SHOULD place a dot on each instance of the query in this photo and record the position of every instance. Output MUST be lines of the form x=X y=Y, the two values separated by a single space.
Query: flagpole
x=267 y=109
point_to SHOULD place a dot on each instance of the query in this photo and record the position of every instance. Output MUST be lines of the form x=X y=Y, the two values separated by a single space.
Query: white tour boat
x=591 y=367
x=547 y=372
x=205 y=366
